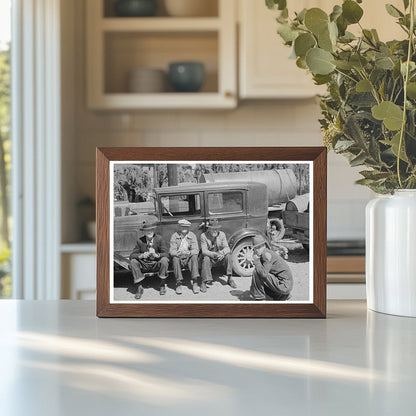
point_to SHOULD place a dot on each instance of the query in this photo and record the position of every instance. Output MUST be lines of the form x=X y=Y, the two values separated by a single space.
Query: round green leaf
x=384 y=62
x=303 y=43
x=319 y=61
x=327 y=39
x=316 y=20
x=358 y=61
x=411 y=90
x=301 y=63
x=325 y=42
x=363 y=86
x=351 y=11
x=394 y=145
x=342 y=25
x=287 y=33
x=336 y=12
x=344 y=65
x=333 y=32
x=391 y=114
x=276 y=4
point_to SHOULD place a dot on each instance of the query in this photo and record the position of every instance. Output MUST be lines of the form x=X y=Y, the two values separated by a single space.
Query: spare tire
x=279 y=227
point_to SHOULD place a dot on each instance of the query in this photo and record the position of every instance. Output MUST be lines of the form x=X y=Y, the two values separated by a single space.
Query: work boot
x=139 y=292
x=195 y=288
x=162 y=290
x=203 y=287
x=178 y=289
x=231 y=282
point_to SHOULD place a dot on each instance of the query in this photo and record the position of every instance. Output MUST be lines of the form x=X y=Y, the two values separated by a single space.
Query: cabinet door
x=78 y=276
x=265 y=68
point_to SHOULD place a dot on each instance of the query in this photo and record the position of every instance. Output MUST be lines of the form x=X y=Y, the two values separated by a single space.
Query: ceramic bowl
x=186 y=76
x=147 y=80
x=135 y=8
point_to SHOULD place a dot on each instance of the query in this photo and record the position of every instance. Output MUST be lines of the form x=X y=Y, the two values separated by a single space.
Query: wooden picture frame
x=315 y=157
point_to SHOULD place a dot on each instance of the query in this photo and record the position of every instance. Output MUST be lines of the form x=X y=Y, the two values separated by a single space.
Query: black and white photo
x=211 y=232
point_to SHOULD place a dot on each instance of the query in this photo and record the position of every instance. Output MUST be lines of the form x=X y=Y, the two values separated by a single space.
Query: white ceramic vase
x=391 y=253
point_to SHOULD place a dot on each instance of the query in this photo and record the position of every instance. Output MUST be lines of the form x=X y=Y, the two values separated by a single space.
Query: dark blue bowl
x=186 y=76
x=135 y=8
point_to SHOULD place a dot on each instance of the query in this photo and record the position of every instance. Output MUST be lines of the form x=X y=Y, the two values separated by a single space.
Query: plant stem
x=346 y=75
x=406 y=79
x=373 y=88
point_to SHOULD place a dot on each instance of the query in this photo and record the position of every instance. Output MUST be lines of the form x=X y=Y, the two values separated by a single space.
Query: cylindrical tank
x=281 y=183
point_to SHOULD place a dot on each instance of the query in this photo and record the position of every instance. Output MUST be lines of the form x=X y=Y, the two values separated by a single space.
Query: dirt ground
x=298 y=261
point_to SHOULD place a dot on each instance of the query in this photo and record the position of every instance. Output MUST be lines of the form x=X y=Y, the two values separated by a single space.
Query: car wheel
x=242 y=258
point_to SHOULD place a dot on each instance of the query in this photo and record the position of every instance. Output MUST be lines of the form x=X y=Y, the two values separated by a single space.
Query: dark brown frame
x=317 y=309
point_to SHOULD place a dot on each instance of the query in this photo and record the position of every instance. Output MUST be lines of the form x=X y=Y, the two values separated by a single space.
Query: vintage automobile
x=241 y=208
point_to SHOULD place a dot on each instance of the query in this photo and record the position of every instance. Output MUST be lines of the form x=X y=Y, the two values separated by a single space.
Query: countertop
x=57 y=358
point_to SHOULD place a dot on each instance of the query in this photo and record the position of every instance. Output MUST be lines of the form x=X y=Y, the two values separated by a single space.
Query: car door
x=176 y=206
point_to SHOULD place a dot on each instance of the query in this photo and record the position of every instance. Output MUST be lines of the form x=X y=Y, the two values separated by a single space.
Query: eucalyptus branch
x=398 y=95
x=406 y=79
x=392 y=91
x=373 y=88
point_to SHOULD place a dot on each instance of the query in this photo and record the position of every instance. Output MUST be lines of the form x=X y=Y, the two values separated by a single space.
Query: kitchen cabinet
x=118 y=45
x=78 y=263
x=265 y=69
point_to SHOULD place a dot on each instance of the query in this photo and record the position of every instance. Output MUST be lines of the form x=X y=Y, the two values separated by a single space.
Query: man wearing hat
x=150 y=255
x=271 y=275
x=215 y=251
x=184 y=251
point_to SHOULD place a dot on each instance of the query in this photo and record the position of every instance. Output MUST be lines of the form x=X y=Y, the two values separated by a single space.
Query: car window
x=225 y=202
x=180 y=205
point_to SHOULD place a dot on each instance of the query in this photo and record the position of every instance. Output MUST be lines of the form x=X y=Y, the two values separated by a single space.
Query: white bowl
x=191 y=8
x=147 y=80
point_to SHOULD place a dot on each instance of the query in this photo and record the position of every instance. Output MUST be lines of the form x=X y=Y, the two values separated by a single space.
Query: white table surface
x=57 y=358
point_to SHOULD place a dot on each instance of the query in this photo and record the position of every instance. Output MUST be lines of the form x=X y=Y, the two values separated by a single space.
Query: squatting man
x=272 y=277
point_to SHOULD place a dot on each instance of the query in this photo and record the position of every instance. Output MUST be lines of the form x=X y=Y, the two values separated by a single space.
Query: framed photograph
x=211 y=232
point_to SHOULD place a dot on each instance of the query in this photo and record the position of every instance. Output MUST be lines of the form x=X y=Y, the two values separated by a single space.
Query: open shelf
x=167 y=100
x=126 y=51
x=160 y=24
x=119 y=45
